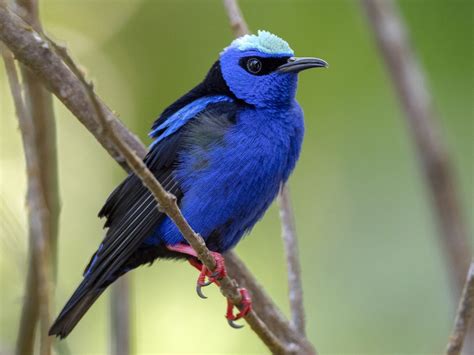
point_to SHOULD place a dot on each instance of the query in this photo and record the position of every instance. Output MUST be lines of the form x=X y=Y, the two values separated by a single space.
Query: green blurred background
x=374 y=276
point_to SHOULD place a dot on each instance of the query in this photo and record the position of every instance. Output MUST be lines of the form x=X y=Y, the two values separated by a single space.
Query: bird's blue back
x=228 y=186
x=230 y=173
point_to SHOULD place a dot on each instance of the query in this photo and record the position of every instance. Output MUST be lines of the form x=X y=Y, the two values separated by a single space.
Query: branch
x=38 y=218
x=408 y=79
x=39 y=103
x=237 y=22
x=295 y=287
x=41 y=55
x=34 y=50
x=267 y=310
x=464 y=314
x=290 y=240
x=120 y=317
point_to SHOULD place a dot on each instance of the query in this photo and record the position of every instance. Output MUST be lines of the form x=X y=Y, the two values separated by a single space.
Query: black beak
x=296 y=64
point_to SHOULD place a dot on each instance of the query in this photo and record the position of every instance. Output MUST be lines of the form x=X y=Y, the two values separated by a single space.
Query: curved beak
x=296 y=64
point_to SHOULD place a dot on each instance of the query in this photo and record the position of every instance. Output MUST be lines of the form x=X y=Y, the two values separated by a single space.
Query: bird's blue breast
x=228 y=186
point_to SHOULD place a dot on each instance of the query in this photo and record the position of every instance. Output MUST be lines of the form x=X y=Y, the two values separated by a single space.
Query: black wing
x=132 y=213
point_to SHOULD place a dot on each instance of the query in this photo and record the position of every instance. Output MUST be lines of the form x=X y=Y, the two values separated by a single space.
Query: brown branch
x=41 y=55
x=30 y=309
x=120 y=316
x=40 y=102
x=268 y=311
x=394 y=44
x=38 y=215
x=34 y=50
x=290 y=239
x=237 y=22
x=240 y=28
x=463 y=316
x=408 y=78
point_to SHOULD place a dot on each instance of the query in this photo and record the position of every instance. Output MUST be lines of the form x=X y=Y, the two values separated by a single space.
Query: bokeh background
x=374 y=276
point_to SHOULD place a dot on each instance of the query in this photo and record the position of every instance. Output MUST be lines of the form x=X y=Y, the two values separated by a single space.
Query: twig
x=40 y=103
x=240 y=28
x=295 y=287
x=120 y=317
x=463 y=316
x=37 y=53
x=34 y=50
x=25 y=341
x=37 y=210
x=267 y=310
x=407 y=76
x=237 y=22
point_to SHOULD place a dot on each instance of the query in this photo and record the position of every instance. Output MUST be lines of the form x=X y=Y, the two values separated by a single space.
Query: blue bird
x=224 y=149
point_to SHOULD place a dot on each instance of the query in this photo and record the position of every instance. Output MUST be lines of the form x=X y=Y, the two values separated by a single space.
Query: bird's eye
x=254 y=65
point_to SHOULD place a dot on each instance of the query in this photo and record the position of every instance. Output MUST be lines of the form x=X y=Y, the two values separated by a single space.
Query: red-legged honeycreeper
x=224 y=149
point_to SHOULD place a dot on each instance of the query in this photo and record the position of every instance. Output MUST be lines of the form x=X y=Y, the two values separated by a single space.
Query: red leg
x=183 y=249
x=213 y=277
x=245 y=307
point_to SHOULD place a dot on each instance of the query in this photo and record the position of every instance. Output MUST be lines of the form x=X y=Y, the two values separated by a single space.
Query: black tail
x=82 y=299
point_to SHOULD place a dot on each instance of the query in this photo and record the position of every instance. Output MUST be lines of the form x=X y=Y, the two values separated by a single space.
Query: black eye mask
x=266 y=66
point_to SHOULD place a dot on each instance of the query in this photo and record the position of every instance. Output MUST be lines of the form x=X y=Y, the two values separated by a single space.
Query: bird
x=224 y=149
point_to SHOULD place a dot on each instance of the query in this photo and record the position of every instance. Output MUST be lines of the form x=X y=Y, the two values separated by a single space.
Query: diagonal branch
x=41 y=55
x=38 y=222
x=464 y=315
x=407 y=76
x=290 y=240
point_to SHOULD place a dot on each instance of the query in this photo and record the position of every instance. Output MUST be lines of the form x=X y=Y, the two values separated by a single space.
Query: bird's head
x=262 y=70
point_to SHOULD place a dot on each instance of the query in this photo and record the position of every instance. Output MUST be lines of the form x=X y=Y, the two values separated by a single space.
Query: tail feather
x=82 y=299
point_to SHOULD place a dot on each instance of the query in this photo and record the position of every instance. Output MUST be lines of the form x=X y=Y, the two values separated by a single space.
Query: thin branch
x=120 y=317
x=39 y=101
x=25 y=340
x=295 y=287
x=290 y=240
x=267 y=309
x=36 y=52
x=41 y=55
x=38 y=215
x=408 y=79
x=237 y=22
x=463 y=316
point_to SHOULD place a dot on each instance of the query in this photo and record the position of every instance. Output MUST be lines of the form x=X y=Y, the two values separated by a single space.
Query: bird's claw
x=213 y=277
x=244 y=307
x=201 y=282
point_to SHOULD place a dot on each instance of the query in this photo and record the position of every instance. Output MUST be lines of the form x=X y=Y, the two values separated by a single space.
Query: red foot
x=220 y=272
x=212 y=276
x=244 y=307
